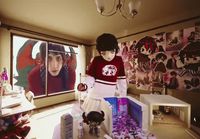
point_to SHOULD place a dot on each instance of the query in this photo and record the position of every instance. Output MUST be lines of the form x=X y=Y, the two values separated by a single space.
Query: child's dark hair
x=106 y=42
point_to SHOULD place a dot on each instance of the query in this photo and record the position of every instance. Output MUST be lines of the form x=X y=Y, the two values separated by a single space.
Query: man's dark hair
x=52 y=48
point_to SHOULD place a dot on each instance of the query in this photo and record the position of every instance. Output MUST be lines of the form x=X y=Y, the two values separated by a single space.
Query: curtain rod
x=69 y=42
x=162 y=26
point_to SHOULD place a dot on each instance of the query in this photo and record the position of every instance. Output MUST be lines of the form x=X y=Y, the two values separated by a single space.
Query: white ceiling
x=79 y=19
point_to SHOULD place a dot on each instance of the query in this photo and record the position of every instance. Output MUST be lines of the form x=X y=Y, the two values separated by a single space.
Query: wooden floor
x=45 y=123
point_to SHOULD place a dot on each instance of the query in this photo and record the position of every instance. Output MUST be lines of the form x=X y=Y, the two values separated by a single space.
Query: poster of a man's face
x=43 y=67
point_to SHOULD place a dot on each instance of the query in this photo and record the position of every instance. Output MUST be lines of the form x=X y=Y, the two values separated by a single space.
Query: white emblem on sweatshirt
x=109 y=70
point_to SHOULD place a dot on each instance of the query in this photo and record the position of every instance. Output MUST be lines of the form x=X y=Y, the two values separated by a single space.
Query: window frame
x=44 y=40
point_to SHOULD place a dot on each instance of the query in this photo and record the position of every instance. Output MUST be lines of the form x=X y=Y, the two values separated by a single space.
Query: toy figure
x=4 y=75
x=94 y=120
x=105 y=75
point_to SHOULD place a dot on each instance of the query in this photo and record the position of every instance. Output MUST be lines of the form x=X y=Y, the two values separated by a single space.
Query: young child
x=105 y=75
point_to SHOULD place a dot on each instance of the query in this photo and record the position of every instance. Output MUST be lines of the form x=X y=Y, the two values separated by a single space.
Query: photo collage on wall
x=166 y=59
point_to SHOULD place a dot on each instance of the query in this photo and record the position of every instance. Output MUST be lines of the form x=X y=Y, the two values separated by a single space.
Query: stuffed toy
x=93 y=119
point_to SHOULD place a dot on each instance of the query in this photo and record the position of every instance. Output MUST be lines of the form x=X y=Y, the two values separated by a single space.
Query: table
x=165 y=100
x=24 y=106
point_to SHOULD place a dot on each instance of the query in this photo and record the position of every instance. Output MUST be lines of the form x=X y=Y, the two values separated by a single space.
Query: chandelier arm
x=113 y=10
x=108 y=14
x=124 y=16
x=121 y=6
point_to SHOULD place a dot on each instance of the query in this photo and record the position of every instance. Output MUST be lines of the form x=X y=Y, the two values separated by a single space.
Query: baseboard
x=194 y=132
x=195 y=129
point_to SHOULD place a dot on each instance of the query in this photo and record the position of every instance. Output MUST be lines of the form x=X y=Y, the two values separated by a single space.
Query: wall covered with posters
x=166 y=58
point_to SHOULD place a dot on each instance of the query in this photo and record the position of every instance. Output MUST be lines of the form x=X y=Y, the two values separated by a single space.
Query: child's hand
x=82 y=87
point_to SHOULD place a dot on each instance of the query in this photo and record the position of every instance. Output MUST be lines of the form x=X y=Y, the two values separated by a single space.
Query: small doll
x=94 y=120
x=105 y=75
x=4 y=75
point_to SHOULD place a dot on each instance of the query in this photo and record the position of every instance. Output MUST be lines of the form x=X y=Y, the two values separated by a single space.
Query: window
x=43 y=67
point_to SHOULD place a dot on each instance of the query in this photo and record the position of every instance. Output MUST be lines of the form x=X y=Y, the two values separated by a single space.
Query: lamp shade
x=100 y=5
x=137 y=5
x=131 y=5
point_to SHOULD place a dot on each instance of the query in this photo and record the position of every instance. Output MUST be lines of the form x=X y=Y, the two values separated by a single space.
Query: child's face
x=55 y=63
x=108 y=55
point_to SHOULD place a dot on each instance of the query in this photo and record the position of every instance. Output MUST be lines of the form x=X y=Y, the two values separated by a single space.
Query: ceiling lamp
x=128 y=8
